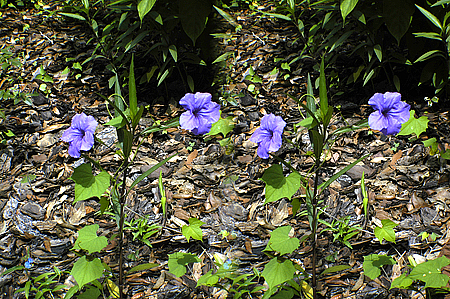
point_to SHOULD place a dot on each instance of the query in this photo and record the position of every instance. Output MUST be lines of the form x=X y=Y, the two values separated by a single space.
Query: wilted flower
x=268 y=136
x=80 y=135
x=201 y=112
x=29 y=263
x=390 y=112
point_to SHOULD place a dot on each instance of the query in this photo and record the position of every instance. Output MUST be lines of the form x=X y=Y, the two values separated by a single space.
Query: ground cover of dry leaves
x=221 y=188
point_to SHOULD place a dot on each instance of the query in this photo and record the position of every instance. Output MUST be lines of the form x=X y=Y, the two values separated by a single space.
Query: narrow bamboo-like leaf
x=441 y=2
x=173 y=52
x=310 y=100
x=430 y=17
x=226 y=16
x=163 y=76
x=137 y=117
x=323 y=90
x=429 y=55
x=162 y=192
x=142 y=267
x=127 y=142
x=364 y=195
x=429 y=35
x=324 y=185
x=132 y=89
x=72 y=15
x=148 y=172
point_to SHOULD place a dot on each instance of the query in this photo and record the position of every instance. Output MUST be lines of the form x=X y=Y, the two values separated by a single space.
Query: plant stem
x=121 y=222
x=314 y=228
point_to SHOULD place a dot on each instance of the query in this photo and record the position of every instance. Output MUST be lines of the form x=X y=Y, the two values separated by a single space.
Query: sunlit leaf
x=89 y=241
x=430 y=273
x=414 y=125
x=193 y=229
x=372 y=264
x=278 y=271
x=277 y=185
x=386 y=231
x=85 y=271
x=87 y=185
x=281 y=241
x=178 y=261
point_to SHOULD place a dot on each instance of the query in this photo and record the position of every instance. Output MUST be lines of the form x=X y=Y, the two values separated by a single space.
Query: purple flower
x=29 y=263
x=80 y=135
x=268 y=136
x=390 y=112
x=201 y=112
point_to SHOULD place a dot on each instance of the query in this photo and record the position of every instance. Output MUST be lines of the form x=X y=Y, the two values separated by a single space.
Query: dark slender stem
x=314 y=227
x=121 y=222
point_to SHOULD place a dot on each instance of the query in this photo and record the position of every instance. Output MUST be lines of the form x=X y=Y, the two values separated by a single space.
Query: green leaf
x=347 y=6
x=72 y=15
x=28 y=178
x=398 y=23
x=278 y=271
x=446 y=154
x=386 y=231
x=87 y=185
x=85 y=271
x=323 y=91
x=281 y=241
x=178 y=261
x=223 y=126
x=193 y=15
x=193 y=229
x=208 y=279
x=336 y=268
x=432 y=143
x=173 y=52
x=430 y=273
x=144 y=7
x=372 y=264
x=429 y=55
x=401 y=282
x=132 y=90
x=414 y=125
x=142 y=267
x=277 y=185
x=90 y=292
x=430 y=17
x=89 y=241
x=151 y=170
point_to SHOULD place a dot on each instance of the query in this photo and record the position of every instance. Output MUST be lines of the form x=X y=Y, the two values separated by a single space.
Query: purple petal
x=210 y=113
x=377 y=121
x=400 y=112
x=275 y=142
x=74 y=148
x=195 y=101
x=70 y=134
x=260 y=135
x=263 y=149
x=188 y=101
x=188 y=121
x=87 y=141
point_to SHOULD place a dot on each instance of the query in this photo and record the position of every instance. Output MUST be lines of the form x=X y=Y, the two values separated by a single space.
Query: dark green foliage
x=162 y=34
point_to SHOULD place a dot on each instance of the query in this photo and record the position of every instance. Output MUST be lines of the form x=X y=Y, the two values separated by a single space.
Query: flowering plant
x=80 y=134
x=268 y=136
x=390 y=112
x=201 y=113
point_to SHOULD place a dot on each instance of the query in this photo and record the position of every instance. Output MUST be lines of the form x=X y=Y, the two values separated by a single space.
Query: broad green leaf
x=28 y=178
x=277 y=185
x=372 y=264
x=87 y=185
x=278 y=271
x=178 y=261
x=398 y=23
x=89 y=241
x=193 y=229
x=386 y=231
x=414 y=125
x=85 y=271
x=281 y=241
x=142 y=267
x=430 y=273
x=446 y=155
x=401 y=282
x=208 y=279
x=132 y=90
x=223 y=126
x=194 y=15
x=89 y=293
x=347 y=6
x=430 y=17
x=144 y=7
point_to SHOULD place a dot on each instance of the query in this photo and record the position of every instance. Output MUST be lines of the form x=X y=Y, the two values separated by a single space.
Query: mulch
x=219 y=186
